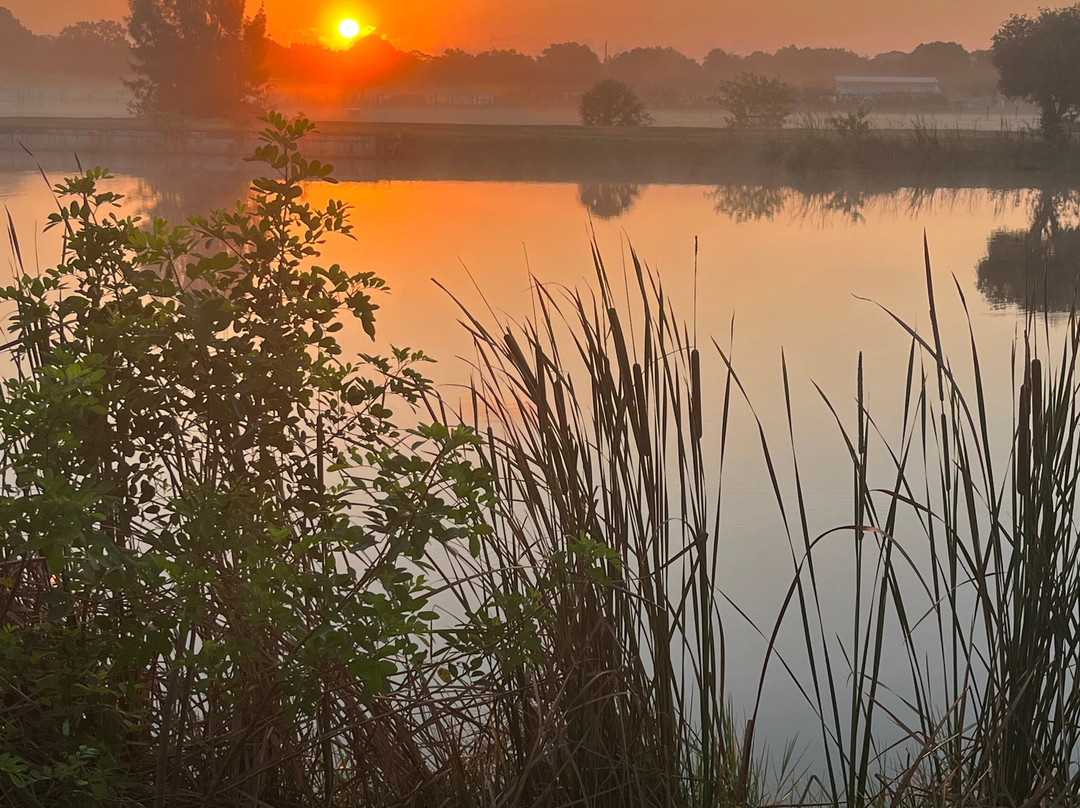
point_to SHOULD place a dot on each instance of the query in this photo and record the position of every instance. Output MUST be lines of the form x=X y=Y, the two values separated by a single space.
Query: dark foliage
x=209 y=520
x=656 y=72
x=100 y=47
x=608 y=200
x=196 y=58
x=569 y=65
x=612 y=103
x=1037 y=269
x=661 y=76
x=1038 y=59
x=755 y=101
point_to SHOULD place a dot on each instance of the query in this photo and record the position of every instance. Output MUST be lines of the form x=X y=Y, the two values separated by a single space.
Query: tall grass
x=953 y=683
x=919 y=145
x=595 y=419
x=957 y=684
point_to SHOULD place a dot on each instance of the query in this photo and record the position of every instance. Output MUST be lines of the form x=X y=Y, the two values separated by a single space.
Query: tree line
x=665 y=75
x=98 y=48
x=660 y=75
x=205 y=58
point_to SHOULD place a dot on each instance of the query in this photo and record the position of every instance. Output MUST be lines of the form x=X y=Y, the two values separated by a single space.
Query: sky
x=692 y=26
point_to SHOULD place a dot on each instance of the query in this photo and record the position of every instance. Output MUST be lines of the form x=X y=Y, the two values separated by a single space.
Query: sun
x=349 y=28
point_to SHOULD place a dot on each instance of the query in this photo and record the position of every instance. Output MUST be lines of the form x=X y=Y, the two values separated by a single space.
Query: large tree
x=198 y=58
x=1038 y=59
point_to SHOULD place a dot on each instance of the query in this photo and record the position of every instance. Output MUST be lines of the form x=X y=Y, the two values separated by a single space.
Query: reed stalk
x=595 y=420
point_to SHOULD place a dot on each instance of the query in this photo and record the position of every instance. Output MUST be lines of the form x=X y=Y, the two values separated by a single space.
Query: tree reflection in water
x=751 y=203
x=1037 y=269
x=174 y=189
x=608 y=200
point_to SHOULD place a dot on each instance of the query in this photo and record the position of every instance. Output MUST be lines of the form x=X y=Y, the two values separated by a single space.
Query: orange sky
x=693 y=26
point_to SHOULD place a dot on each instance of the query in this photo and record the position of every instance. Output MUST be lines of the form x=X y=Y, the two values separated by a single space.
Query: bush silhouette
x=755 y=101
x=612 y=103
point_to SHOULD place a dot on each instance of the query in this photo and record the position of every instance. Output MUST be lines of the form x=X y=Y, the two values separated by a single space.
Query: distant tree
x=371 y=61
x=198 y=58
x=569 y=65
x=504 y=70
x=755 y=101
x=889 y=63
x=809 y=66
x=940 y=59
x=983 y=78
x=107 y=32
x=12 y=31
x=93 y=47
x=451 y=68
x=948 y=62
x=612 y=103
x=18 y=45
x=491 y=71
x=657 y=72
x=719 y=64
x=1038 y=59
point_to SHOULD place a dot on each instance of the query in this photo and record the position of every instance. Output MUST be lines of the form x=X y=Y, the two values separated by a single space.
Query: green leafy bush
x=211 y=519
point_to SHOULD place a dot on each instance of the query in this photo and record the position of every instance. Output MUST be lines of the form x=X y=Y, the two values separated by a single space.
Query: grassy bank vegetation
x=231 y=577
x=690 y=155
x=841 y=143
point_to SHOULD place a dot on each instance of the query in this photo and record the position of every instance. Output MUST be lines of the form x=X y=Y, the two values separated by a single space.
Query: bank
x=536 y=152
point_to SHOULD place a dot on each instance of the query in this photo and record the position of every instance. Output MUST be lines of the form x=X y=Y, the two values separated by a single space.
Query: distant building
x=870 y=86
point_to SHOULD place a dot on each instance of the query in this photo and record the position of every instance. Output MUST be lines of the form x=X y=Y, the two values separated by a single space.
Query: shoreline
x=683 y=155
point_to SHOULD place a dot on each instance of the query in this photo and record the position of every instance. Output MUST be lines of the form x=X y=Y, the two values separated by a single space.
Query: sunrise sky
x=693 y=26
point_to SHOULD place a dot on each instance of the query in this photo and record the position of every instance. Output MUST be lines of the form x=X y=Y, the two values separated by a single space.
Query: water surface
x=789 y=273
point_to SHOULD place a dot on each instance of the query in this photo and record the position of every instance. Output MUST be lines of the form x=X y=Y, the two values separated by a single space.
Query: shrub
x=612 y=103
x=852 y=124
x=755 y=101
x=209 y=516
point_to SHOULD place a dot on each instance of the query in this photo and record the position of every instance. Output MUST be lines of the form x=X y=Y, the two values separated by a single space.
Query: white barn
x=870 y=86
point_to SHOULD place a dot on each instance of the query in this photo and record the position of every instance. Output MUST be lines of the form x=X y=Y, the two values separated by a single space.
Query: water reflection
x=749 y=203
x=172 y=186
x=1034 y=268
x=1037 y=269
x=608 y=200
x=174 y=194
x=824 y=204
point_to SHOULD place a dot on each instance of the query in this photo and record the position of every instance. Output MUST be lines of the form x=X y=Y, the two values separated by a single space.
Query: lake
x=789 y=272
